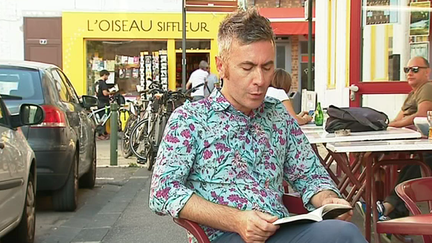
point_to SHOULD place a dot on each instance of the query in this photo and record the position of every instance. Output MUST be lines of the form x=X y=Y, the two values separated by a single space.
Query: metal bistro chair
x=411 y=192
x=292 y=201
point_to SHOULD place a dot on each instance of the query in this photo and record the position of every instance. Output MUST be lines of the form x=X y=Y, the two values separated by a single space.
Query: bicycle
x=147 y=134
x=102 y=121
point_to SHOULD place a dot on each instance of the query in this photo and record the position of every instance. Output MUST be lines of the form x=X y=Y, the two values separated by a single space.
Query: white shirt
x=279 y=94
x=198 y=77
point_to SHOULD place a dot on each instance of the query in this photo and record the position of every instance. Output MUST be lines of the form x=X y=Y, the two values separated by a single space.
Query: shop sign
x=126 y=25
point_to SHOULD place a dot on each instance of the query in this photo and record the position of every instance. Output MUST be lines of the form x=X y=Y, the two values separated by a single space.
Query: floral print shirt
x=220 y=154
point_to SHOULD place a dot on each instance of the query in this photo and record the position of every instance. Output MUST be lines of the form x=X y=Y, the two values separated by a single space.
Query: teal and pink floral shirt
x=226 y=157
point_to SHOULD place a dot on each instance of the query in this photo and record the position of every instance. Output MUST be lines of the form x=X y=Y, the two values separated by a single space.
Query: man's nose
x=258 y=78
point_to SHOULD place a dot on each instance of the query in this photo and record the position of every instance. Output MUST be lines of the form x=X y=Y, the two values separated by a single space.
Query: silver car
x=17 y=174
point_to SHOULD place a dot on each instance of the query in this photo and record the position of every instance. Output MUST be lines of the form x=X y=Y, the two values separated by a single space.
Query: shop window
x=130 y=63
x=304 y=47
x=304 y=63
x=393 y=32
x=280 y=56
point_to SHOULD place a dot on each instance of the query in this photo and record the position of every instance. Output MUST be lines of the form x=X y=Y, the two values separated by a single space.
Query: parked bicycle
x=101 y=121
x=147 y=134
x=138 y=110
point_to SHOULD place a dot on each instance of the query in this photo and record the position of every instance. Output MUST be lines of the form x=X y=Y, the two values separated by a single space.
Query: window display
x=130 y=63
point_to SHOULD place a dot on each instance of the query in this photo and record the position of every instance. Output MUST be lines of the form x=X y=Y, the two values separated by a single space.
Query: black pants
x=101 y=130
x=408 y=172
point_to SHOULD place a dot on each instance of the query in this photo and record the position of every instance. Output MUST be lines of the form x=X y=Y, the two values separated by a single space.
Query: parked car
x=17 y=175
x=65 y=142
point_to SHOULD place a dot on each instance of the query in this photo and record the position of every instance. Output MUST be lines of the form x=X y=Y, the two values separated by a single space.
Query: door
x=85 y=128
x=381 y=46
x=283 y=56
x=12 y=171
x=43 y=40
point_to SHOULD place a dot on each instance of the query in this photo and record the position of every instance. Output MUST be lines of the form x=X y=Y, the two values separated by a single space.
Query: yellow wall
x=77 y=27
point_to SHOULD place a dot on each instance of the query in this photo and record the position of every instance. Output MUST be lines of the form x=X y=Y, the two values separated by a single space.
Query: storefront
x=368 y=44
x=135 y=47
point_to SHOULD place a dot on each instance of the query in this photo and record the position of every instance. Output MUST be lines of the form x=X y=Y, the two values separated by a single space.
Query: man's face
x=247 y=74
x=415 y=79
x=105 y=77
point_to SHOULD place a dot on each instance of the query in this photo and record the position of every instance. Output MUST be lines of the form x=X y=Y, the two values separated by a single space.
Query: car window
x=25 y=83
x=69 y=86
x=61 y=87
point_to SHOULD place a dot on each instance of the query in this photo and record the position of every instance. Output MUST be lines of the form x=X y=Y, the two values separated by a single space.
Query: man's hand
x=256 y=227
x=346 y=216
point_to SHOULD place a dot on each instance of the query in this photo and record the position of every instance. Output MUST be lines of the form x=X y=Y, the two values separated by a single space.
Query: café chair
x=412 y=192
x=292 y=202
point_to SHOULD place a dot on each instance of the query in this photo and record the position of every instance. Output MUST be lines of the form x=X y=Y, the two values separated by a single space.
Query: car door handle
x=2 y=145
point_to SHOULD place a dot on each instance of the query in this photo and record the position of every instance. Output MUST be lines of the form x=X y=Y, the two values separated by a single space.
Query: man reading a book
x=223 y=159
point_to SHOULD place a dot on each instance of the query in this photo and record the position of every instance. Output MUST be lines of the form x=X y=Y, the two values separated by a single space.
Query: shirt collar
x=217 y=101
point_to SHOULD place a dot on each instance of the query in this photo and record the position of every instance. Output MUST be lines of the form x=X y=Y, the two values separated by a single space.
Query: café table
x=320 y=136
x=311 y=128
x=371 y=156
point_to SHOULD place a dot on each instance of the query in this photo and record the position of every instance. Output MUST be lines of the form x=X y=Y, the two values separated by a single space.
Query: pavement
x=115 y=211
x=103 y=148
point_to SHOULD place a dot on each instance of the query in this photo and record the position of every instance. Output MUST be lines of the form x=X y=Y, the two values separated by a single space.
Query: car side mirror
x=30 y=114
x=89 y=101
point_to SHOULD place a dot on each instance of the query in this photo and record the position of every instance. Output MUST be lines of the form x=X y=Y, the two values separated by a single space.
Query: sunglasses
x=414 y=69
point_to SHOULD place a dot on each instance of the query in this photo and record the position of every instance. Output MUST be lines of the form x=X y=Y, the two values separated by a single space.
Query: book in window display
x=155 y=66
x=164 y=69
x=142 y=70
x=148 y=68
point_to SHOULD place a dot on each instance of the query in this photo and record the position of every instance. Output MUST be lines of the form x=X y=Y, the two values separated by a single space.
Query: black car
x=65 y=142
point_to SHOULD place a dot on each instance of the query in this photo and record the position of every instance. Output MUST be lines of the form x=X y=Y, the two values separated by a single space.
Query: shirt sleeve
x=302 y=168
x=103 y=86
x=168 y=193
x=425 y=94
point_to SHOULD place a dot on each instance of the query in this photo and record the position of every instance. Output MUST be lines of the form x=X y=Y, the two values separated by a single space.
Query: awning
x=288 y=21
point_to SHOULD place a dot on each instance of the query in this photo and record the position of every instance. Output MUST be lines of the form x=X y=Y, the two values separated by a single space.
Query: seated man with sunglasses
x=418 y=102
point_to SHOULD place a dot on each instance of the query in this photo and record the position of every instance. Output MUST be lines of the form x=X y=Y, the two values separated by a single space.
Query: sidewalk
x=103 y=149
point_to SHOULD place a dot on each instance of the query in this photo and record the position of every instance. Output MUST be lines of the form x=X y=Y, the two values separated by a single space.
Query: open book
x=328 y=211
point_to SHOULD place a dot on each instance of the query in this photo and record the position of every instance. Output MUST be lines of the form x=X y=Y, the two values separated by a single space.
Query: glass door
x=384 y=36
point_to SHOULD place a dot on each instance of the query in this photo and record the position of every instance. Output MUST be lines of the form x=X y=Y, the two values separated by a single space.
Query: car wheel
x=25 y=231
x=66 y=198
x=88 y=180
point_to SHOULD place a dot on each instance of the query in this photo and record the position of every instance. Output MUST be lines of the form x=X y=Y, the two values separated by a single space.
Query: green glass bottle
x=319 y=116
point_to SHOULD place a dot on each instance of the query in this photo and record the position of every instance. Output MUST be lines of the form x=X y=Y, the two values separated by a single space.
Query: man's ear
x=220 y=67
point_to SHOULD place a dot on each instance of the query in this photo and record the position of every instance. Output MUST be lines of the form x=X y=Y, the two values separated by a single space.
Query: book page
x=328 y=211
x=301 y=217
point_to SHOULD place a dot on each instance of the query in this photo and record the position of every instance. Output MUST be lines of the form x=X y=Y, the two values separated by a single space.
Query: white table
x=311 y=128
x=371 y=157
x=321 y=136
x=381 y=146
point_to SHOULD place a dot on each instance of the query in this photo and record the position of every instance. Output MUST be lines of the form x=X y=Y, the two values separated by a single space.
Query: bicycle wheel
x=139 y=140
x=156 y=137
x=126 y=148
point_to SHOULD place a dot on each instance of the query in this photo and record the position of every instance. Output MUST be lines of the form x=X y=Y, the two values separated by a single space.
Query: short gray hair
x=203 y=65
x=244 y=26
